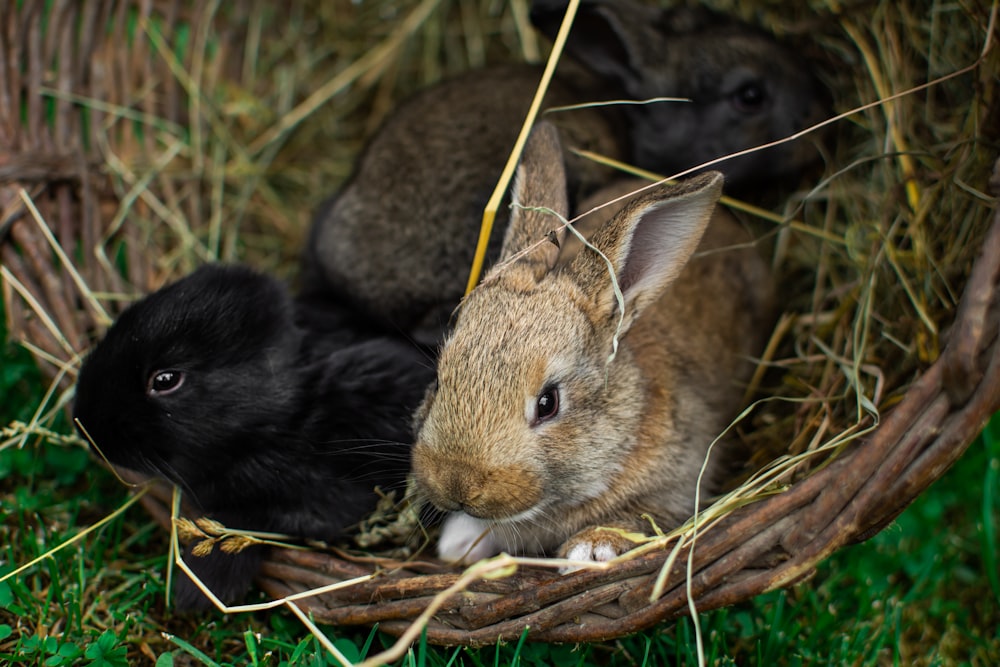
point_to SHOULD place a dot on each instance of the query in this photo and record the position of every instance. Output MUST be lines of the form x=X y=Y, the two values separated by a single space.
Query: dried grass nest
x=177 y=133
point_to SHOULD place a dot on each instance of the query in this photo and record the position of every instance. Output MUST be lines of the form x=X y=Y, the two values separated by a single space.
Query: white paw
x=594 y=550
x=465 y=539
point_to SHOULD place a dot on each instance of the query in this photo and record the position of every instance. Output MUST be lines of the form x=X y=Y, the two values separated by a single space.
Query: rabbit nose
x=452 y=494
x=496 y=493
x=464 y=489
x=480 y=491
x=446 y=483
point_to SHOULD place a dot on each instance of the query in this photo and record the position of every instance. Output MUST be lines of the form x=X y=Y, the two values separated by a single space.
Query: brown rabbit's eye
x=749 y=98
x=166 y=382
x=547 y=406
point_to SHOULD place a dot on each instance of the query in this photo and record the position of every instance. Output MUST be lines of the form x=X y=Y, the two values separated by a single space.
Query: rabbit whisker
x=376 y=475
x=361 y=443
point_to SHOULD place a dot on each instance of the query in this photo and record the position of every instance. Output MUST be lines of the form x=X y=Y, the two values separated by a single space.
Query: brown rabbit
x=557 y=411
x=399 y=238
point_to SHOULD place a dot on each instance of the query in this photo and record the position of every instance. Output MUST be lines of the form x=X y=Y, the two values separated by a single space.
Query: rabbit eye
x=749 y=98
x=166 y=382
x=547 y=405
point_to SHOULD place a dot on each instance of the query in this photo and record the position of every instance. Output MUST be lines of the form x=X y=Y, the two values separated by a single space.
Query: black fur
x=289 y=414
x=746 y=88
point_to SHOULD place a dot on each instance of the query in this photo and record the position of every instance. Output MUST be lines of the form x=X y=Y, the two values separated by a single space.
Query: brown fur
x=631 y=434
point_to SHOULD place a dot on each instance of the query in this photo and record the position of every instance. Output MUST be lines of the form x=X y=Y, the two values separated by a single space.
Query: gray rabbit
x=746 y=88
x=398 y=240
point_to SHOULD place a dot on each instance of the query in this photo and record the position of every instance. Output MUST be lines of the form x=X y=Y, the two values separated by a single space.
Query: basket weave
x=58 y=151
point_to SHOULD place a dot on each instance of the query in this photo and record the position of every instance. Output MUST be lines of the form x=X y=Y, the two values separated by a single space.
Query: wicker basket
x=70 y=157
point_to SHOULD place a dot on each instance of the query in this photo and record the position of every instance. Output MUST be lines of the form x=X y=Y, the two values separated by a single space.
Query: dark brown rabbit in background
x=398 y=239
x=561 y=408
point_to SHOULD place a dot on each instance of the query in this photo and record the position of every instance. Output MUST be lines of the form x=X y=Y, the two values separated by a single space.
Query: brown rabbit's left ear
x=648 y=243
x=540 y=183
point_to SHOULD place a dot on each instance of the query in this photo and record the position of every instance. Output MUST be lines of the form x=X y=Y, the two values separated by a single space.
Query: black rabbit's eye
x=547 y=405
x=166 y=382
x=749 y=98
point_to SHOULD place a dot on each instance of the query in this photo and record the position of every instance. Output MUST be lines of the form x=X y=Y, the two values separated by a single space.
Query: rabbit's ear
x=540 y=203
x=603 y=34
x=648 y=243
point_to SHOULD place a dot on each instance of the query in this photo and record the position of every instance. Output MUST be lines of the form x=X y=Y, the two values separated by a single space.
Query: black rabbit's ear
x=602 y=37
x=681 y=21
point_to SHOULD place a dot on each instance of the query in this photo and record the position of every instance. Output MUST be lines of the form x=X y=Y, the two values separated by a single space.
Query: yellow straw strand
x=489 y=215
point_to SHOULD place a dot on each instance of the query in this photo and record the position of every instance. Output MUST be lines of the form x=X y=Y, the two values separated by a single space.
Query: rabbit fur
x=533 y=436
x=398 y=239
x=270 y=413
x=746 y=88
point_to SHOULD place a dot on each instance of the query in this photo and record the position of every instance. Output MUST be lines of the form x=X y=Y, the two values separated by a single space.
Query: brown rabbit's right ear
x=648 y=243
x=540 y=183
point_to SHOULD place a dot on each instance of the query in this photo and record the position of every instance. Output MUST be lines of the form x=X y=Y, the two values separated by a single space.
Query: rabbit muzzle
x=479 y=491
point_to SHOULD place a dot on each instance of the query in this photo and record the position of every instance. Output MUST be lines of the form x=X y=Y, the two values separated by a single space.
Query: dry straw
x=219 y=126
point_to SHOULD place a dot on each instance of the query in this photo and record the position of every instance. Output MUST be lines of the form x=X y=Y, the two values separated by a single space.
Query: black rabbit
x=270 y=413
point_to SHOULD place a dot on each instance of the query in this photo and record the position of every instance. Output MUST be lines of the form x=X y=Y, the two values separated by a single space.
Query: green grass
x=924 y=591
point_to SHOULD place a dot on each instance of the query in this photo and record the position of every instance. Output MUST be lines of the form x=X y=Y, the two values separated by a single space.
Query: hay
x=218 y=130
